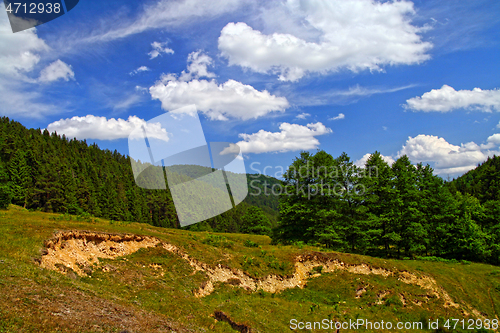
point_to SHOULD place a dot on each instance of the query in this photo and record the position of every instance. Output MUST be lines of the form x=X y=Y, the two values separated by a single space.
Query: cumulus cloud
x=444 y=157
x=447 y=99
x=362 y=161
x=100 y=128
x=198 y=63
x=231 y=99
x=492 y=141
x=353 y=35
x=291 y=137
x=448 y=158
x=158 y=49
x=340 y=116
x=303 y=115
x=140 y=69
x=56 y=71
x=19 y=54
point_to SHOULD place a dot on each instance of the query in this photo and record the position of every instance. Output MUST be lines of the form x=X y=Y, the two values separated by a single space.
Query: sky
x=417 y=78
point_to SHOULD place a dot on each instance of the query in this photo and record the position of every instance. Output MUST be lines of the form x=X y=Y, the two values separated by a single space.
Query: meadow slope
x=63 y=273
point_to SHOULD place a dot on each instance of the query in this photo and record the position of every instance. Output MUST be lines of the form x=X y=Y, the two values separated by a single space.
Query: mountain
x=482 y=182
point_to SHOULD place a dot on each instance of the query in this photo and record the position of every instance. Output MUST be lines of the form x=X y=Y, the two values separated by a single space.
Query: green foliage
x=249 y=243
x=317 y=269
x=402 y=211
x=439 y=259
x=5 y=191
x=482 y=182
x=218 y=241
x=254 y=221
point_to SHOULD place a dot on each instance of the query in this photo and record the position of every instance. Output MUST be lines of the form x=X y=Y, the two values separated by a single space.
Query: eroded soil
x=78 y=250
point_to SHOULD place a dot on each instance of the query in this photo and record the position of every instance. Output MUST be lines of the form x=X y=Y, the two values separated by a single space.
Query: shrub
x=249 y=243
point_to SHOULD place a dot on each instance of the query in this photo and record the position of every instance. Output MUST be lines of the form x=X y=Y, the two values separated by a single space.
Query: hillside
x=482 y=182
x=52 y=173
x=81 y=274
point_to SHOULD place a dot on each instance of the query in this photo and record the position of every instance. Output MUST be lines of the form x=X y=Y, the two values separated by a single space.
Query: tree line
x=403 y=210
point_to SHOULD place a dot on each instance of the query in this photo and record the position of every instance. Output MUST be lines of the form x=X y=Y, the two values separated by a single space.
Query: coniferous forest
x=399 y=211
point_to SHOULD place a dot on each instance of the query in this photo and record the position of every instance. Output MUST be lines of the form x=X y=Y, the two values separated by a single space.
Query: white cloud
x=340 y=116
x=230 y=99
x=218 y=101
x=303 y=115
x=18 y=101
x=498 y=125
x=291 y=137
x=492 y=141
x=19 y=52
x=358 y=90
x=354 y=35
x=141 y=89
x=447 y=99
x=100 y=128
x=448 y=158
x=55 y=71
x=19 y=55
x=117 y=97
x=362 y=161
x=126 y=102
x=158 y=49
x=140 y=69
x=444 y=157
x=342 y=97
x=198 y=63
x=164 y=14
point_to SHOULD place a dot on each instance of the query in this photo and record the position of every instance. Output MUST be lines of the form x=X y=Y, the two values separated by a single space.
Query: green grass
x=151 y=290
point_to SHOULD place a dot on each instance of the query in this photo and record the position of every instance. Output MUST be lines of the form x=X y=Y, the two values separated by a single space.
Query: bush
x=249 y=243
x=218 y=241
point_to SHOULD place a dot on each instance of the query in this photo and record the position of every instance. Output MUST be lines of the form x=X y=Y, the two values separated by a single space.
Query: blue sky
x=418 y=78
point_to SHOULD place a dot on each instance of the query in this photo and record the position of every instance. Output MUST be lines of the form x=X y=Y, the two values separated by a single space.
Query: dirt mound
x=78 y=250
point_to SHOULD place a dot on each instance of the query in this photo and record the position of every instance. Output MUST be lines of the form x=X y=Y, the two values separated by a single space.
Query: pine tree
x=254 y=221
x=406 y=218
x=5 y=192
x=20 y=178
x=379 y=197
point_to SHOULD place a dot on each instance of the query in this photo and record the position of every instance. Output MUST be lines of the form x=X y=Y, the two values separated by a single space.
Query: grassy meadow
x=151 y=290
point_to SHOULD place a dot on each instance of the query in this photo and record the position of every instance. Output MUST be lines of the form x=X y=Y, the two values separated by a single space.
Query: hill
x=81 y=274
x=482 y=182
x=52 y=173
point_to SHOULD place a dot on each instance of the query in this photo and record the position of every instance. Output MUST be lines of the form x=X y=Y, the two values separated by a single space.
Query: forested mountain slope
x=52 y=173
x=482 y=182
